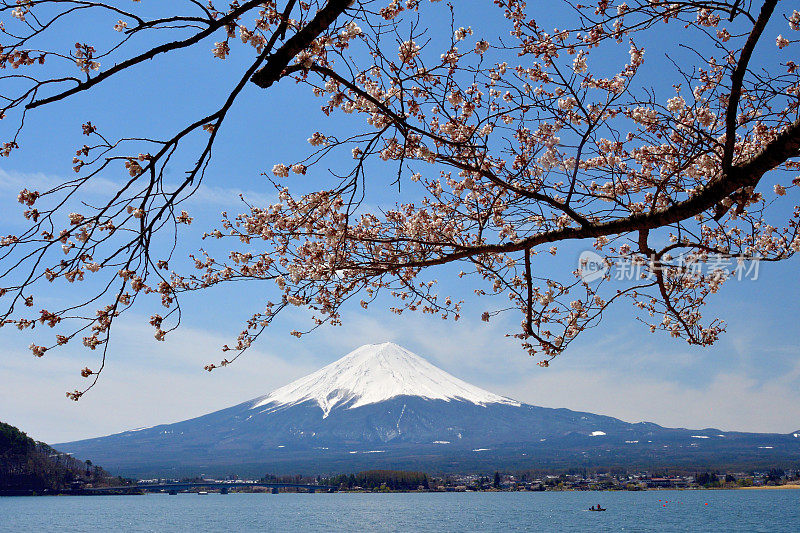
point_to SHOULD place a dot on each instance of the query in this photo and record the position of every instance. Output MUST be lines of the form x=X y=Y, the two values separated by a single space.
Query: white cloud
x=145 y=383
x=729 y=402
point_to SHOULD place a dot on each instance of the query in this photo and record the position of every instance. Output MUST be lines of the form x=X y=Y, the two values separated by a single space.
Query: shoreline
x=788 y=486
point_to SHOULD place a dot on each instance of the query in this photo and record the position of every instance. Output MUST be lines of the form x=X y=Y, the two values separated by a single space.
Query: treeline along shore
x=389 y=480
x=407 y=481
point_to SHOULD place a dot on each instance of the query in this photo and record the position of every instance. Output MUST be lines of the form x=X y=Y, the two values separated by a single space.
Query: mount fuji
x=376 y=373
x=382 y=406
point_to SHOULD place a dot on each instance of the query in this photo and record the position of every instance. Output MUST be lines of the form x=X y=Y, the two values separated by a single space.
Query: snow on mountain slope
x=374 y=373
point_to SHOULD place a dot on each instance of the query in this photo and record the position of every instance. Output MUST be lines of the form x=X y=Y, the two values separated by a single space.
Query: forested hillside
x=30 y=466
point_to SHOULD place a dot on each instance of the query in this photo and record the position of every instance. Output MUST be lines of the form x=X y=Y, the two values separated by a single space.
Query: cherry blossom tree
x=507 y=145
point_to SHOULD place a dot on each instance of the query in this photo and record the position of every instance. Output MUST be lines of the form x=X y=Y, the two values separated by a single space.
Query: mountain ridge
x=381 y=406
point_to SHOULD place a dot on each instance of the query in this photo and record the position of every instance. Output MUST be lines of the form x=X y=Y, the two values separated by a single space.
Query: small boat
x=204 y=492
x=596 y=509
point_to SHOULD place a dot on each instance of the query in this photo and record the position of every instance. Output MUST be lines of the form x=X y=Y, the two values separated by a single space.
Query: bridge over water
x=224 y=488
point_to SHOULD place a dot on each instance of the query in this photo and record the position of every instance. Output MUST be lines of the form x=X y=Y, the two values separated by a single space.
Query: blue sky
x=749 y=381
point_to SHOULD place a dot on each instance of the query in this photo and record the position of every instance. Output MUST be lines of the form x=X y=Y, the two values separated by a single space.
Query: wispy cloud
x=11 y=182
x=731 y=402
x=145 y=382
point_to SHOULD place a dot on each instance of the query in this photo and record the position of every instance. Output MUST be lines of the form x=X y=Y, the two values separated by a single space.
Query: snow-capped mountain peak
x=374 y=373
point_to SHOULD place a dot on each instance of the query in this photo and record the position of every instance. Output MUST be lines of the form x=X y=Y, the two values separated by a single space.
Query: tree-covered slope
x=30 y=466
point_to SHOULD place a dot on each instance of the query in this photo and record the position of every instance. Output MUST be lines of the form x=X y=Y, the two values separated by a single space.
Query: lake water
x=700 y=510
